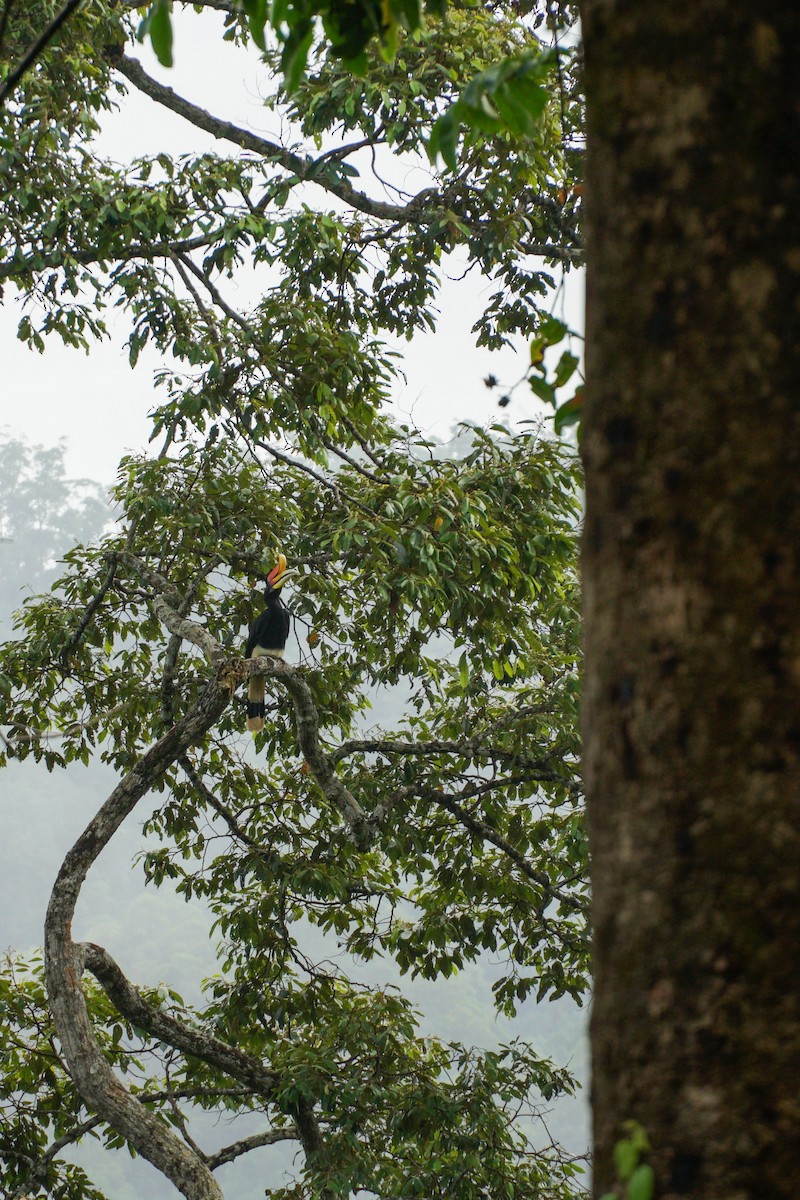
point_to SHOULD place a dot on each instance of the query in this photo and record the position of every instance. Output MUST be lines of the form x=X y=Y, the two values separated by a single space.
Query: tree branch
x=130 y=1003
x=424 y=208
x=220 y=809
x=469 y=748
x=19 y=733
x=268 y=1138
x=482 y=829
x=234 y=1062
x=306 y=169
x=99 y=1087
x=53 y=260
x=38 y=1167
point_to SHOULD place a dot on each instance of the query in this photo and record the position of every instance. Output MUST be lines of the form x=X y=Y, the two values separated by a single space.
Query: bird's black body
x=267 y=635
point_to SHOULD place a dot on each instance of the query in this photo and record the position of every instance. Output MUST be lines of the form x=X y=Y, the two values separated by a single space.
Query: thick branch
x=169 y=669
x=319 y=761
x=469 y=748
x=101 y=1090
x=38 y=1167
x=234 y=1062
x=168 y=605
x=268 y=1138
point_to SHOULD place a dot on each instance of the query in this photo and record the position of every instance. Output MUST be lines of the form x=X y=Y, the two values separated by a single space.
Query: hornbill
x=268 y=634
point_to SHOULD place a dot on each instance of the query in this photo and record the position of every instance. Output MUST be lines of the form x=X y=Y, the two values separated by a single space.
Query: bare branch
x=354 y=463
x=330 y=484
x=319 y=761
x=211 y=800
x=180 y=262
x=215 y=295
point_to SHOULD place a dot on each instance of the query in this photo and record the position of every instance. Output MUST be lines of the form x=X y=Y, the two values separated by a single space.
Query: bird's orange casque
x=277 y=571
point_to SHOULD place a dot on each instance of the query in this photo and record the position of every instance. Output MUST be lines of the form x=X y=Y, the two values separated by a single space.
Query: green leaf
x=641 y=1184
x=256 y=18
x=569 y=413
x=551 y=331
x=626 y=1156
x=390 y=34
x=408 y=13
x=444 y=138
x=537 y=349
x=543 y=390
x=509 y=96
x=295 y=54
x=279 y=12
x=520 y=102
x=160 y=27
x=565 y=368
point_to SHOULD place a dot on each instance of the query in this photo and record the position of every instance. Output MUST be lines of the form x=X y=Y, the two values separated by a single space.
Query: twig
x=485 y=831
x=211 y=800
x=331 y=485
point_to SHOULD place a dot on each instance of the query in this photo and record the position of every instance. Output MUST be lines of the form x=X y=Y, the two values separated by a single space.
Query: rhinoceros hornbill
x=268 y=634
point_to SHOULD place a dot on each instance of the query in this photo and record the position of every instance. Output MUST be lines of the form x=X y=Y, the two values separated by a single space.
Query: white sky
x=100 y=405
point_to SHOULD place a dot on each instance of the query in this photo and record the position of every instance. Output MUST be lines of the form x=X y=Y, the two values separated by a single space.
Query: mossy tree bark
x=692 y=583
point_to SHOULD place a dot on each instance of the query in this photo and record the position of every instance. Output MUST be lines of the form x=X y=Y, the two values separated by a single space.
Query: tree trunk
x=692 y=588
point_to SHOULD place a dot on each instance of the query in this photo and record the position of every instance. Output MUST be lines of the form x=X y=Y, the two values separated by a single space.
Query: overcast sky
x=100 y=405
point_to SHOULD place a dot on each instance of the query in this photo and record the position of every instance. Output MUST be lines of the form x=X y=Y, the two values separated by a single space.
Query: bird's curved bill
x=278 y=572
